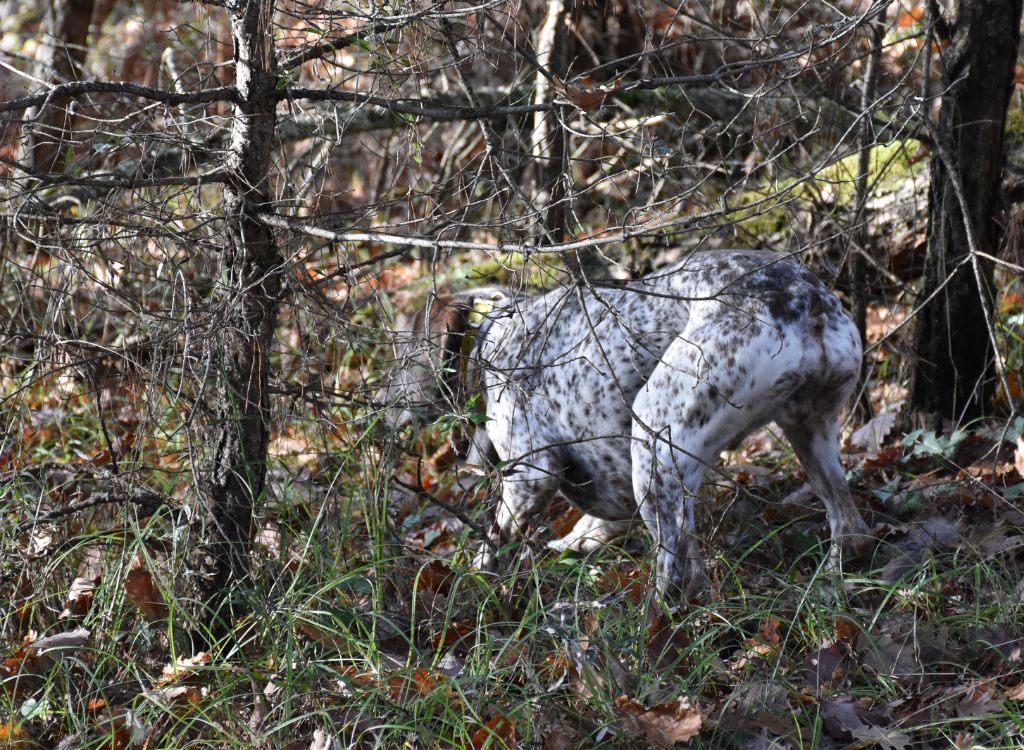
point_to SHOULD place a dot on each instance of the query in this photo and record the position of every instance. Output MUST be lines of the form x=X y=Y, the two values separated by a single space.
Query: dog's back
x=576 y=360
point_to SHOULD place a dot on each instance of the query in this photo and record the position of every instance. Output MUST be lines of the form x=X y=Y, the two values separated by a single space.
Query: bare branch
x=81 y=88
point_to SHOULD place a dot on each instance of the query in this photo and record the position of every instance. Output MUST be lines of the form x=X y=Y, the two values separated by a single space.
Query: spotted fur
x=619 y=398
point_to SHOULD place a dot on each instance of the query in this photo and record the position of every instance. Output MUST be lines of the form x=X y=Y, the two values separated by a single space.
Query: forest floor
x=369 y=628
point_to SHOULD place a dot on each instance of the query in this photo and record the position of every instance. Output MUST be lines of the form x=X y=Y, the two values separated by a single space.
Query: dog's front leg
x=525 y=487
x=591 y=533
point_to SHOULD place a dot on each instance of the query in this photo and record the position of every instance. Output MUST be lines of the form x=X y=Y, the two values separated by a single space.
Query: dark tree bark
x=60 y=60
x=250 y=278
x=954 y=374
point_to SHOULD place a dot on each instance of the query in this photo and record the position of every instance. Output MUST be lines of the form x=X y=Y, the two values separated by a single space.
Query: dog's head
x=429 y=377
x=426 y=380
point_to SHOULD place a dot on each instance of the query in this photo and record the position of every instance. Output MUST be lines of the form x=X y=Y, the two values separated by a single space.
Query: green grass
x=365 y=621
x=354 y=634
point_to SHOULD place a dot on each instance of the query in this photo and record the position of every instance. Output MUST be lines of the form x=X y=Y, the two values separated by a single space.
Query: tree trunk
x=250 y=287
x=954 y=374
x=60 y=59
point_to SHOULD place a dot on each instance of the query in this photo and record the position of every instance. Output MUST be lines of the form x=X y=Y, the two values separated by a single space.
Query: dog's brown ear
x=443 y=324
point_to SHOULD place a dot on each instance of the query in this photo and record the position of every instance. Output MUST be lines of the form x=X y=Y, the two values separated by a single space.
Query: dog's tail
x=818 y=314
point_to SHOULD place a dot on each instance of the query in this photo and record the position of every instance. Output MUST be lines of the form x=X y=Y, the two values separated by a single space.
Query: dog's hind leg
x=665 y=482
x=816 y=444
x=711 y=386
x=669 y=450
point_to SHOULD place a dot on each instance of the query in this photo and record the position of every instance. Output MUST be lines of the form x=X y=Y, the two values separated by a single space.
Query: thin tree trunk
x=861 y=242
x=60 y=59
x=954 y=372
x=550 y=51
x=250 y=278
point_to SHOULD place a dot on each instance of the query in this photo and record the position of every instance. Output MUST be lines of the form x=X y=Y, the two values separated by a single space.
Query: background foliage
x=202 y=256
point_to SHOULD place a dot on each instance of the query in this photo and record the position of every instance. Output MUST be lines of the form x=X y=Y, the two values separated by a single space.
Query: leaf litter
x=886 y=658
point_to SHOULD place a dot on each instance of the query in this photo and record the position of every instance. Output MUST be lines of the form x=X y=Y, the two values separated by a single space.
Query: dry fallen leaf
x=1016 y=694
x=889 y=455
x=559 y=738
x=871 y=436
x=662 y=725
x=323 y=740
x=635 y=582
x=847 y=719
x=890 y=656
x=974 y=700
x=847 y=630
x=183 y=668
x=825 y=667
x=499 y=730
x=403 y=686
x=122 y=728
x=144 y=594
x=581 y=97
x=910 y=17
x=757 y=707
x=15 y=736
x=564 y=522
x=41 y=653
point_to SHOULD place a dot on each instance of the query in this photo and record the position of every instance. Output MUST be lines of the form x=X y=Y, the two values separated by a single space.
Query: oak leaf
x=662 y=725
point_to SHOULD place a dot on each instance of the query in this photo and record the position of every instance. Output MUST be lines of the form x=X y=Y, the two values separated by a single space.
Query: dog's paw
x=851 y=547
x=575 y=544
x=485 y=559
x=561 y=545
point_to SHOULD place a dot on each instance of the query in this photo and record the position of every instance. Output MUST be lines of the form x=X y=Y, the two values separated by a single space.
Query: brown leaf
x=443 y=458
x=559 y=738
x=581 y=97
x=889 y=657
x=633 y=581
x=180 y=695
x=41 y=654
x=889 y=455
x=824 y=668
x=910 y=17
x=435 y=577
x=847 y=630
x=871 y=436
x=769 y=631
x=564 y=522
x=183 y=668
x=80 y=597
x=557 y=666
x=845 y=720
x=665 y=641
x=122 y=728
x=977 y=700
x=1016 y=694
x=403 y=686
x=757 y=707
x=144 y=594
x=16 y=737
x=662 y=725
x=455 y=632
x=936 y=533
x=499 y=730
x=317 y=634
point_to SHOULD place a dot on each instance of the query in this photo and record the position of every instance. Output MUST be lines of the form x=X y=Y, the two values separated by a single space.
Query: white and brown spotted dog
x=620 y=397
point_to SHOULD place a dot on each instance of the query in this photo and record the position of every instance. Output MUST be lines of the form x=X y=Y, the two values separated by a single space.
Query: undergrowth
x=366 y=626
